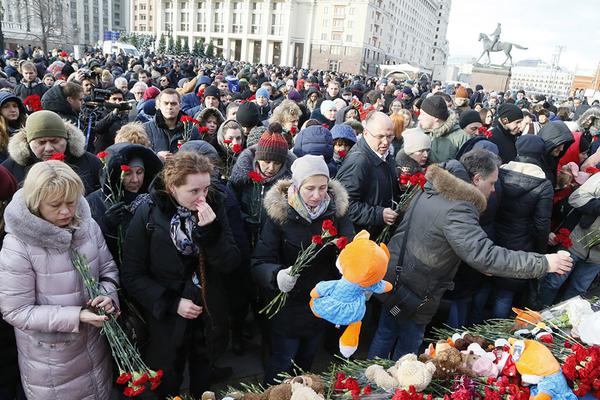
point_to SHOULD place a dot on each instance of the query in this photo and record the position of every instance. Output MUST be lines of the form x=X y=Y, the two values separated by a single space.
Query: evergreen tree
x=210 y=50
x=201 y=48
x=171 y=46
x=162 y=45
x=186 y=46
x=178 y=46
x=133 y=39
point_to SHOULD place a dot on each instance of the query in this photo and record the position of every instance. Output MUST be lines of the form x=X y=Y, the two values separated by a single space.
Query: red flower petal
x=341 y=242
x=317 y=239
x=125 y=168
x=57 y=157
x=237 y=148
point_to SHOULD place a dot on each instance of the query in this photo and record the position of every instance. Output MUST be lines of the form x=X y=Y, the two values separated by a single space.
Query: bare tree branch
x=49 y=15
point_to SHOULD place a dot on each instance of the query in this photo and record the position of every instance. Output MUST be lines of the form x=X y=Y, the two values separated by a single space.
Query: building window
x=338 y=11
x=256 y=17
x=348 y=38
x=351 y=11
x=237 y=17
x=336 y=50
x=334 y=65
x=184 y=21
x=218 y=17
x=183 y=5
x=201 y=21
x=277 y=18
x=323 y=36
x=338 y=24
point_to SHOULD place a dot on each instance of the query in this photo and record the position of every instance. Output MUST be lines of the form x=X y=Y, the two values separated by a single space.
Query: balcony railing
x=13 y=26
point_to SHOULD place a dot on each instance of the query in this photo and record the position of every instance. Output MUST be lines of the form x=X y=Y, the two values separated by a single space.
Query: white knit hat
x=415 y=140
x=307 y=166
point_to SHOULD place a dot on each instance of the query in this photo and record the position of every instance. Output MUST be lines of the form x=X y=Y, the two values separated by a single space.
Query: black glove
x=116 y=215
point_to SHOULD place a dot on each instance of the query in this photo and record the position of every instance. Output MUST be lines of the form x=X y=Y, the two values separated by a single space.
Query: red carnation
x=102 y=155
x=325 y=126
x=341 y=242
x=200 y=93
x=484 y=132
x=128 y=392
x=327 y=224
x=155 y=385
x=342 y=153
x=57 y=157
x=33 y=102
x=157 y=376
x=317 y=239
x=293 y=130
x=141 y=380
x=123 y=378
x=255 y=177
x=333 y=231
x=125 y=168
x=404 y=179
x=237 y=148
x=562 y=238
x=226 y=141
x=203 y=129
x=186 y=118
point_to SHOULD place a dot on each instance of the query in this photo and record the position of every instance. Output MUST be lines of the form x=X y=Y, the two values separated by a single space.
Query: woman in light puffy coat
x=61 y=352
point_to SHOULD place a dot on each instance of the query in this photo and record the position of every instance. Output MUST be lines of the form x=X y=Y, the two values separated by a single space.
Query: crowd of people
x=191 y=186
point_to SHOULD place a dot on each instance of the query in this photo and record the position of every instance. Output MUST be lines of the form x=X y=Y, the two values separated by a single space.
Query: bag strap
x=410 y=214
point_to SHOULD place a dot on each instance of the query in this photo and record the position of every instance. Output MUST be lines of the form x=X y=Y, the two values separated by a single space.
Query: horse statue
x=506 y=47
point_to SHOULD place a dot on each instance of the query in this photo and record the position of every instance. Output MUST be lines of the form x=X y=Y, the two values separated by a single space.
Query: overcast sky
x=540 y=25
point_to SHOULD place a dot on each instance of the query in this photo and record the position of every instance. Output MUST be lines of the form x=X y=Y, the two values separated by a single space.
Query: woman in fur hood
x=296 y=210
x=46 y=135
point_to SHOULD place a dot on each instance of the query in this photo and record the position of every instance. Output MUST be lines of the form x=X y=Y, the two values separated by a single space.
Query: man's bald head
x=379 y=132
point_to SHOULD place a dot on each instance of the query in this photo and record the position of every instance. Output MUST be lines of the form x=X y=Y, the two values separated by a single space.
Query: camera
x=99 y=95
x=124 y=106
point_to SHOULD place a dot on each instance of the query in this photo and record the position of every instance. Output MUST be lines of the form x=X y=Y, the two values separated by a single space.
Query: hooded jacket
x=372 y=185
x=202 y=116
x=85 y=164
x=24 y=90
x=444 y=228
x=446 y=140
x=316 y=140
x=586 y=199
x=13 y=126
x=507 y=150
x=283 y=236
x=340 y=116
x=554 y=134
x=250 y=195
x=110 y=178
x=55 y=100
x=41 y=295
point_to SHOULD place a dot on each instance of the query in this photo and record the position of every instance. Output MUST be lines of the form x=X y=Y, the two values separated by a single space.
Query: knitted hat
x=510 y=112
x=262 y=92
x=294 y=95
x=530 y=146
x=468 y=117
x=343 y=131
x=327 y=105
x=272 y=146
x=436 y=107
x=248 y=115
x=149 y=107
x=212 y=91
x=44 y=123
x=415 y=140
x=307 y=166
x=462 y=93
x=254 y=135
x=151 y=93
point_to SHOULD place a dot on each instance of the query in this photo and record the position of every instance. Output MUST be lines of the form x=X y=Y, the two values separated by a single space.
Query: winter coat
x=161 y=137
x=55 y=100
x=340 y=116
x=443 y=230
x=316 y=114
x=24 y=90
x=202 y=116
x=446 y=140
x=586 y=199
x=283 y=236
x=106 y=129
x=554 y=134
x=12 y=127
x=120 y=154
x=190 y=101
x=249 y=194
x=315 y=140
x=507 y=150
x=372 y=185
x=157 y=276
x=85 y=164
x=523 y=220
x=41 y=295
x=406 y=165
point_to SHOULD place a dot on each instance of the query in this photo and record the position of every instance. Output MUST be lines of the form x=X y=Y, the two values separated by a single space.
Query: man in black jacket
x=443 y=229
x=505 y=131
x=369 y=175
x=106 y=129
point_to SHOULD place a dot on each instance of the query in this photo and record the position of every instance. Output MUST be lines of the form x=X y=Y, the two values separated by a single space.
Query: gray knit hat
x=307 y=166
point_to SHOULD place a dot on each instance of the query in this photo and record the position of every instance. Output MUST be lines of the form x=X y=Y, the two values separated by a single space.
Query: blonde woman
x=287 y=114
x=62 y=354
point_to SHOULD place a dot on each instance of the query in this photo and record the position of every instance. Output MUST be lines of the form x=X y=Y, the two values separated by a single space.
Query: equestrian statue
x=494 y=45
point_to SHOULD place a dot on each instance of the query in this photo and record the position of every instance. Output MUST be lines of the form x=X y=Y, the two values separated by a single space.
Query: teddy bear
x=462 y=341
x=304 y=387
x=363 y=264
x=408 y=371
x=447 y=360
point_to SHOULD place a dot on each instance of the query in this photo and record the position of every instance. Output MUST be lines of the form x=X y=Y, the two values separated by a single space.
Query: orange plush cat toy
x=363 y=265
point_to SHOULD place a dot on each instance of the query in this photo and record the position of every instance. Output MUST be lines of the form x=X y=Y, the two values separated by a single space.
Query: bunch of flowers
x=305 y=258
x=133 y=372
x=350 y=385
x=413 y=184
x=410 y=394
x=483 y=131
x=188 y=128
x=582 y=369
x=503 y=388
x=231 y=156
x=33 y=103
x=562 y=238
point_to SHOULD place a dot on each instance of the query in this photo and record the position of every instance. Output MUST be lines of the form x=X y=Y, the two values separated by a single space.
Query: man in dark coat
x=369 y=175
x=444 y=228
x=65 y=100
x=557 y=139
x=106 y=129
x=505 y=131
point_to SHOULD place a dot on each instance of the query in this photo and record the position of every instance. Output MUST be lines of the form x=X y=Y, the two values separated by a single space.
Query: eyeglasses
x=381 y=138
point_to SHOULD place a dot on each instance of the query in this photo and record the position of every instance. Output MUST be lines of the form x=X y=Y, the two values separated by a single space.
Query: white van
x=119 y=48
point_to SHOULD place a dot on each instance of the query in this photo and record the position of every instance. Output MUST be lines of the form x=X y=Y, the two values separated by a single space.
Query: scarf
x=182 y=225
x=295 y=201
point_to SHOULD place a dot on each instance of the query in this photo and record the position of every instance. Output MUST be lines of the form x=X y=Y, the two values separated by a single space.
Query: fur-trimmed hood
x=19 y=149
x=276 y=200
x=454 y=189
x=36 y=231
x=447 y=127
x=590 y=119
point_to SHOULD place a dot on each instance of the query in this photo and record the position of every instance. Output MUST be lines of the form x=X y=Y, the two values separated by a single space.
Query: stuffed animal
x=526 y=318
x=447 y=360
x=304 y=387
x=363 y=265
x=539 y=368
x=407 y=372
x=462 y=341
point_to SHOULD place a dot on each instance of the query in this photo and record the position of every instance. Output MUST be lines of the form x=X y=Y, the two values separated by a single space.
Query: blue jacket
x=316 y=140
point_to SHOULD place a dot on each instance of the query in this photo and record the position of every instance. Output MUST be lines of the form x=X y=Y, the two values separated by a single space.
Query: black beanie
x=212 y=91
x=530 y=146
x=468 y=117
x=584 y=143
x=248 y=115
x=510 y=112
x=436 y=107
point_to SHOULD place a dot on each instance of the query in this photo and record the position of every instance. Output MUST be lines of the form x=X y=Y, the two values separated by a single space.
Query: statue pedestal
x=492 y=78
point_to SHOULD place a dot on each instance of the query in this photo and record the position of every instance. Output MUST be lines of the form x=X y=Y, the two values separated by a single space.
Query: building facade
x=538 y=77
x=340 y=35
x=91 y=18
